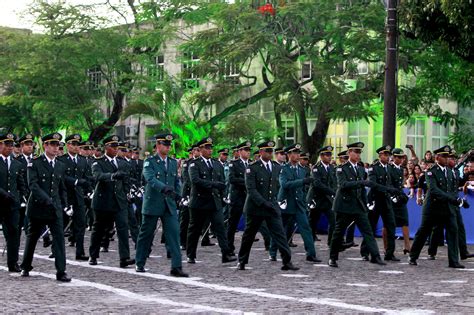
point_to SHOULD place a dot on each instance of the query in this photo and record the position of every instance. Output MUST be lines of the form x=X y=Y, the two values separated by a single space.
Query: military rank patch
x=247 y=170
x=29 y=164
x=315 y=170
x=185 y=164
x=230 y=165
x=370 y=169
x=429 y=173
x=191 y=165
x=95 y=163
x=339 y=170
x=146 y=164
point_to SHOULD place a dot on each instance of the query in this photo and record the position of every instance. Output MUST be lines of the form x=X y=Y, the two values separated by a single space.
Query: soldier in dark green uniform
x=380 y=196
x=207 y=188
x=185 y=193
x=12 y=188
x=433 y=248
x=322 y=191
x=439 y=209
x=261 y=181
x=161 y=192
x=350 y=204
x=110 y=201
x=400 y=209
x=343 y=157
x=292 y=179
x=48 y=198
x=77 y=182
x=237 y=190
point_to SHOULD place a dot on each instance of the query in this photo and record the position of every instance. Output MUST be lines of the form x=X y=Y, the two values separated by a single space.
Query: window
x=189 y=74
x=231 y=72
x=306 y=69
x=416 y=135
x=440 y=135
x=362 y=67
x=95 y=78
x=289 y=131
x=359 y=132
x=158 y=68
x=335 y=135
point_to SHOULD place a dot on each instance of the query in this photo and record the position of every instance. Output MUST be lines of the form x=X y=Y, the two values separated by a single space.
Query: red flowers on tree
x=267 y=8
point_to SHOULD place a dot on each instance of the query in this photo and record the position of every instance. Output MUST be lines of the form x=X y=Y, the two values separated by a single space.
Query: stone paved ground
x=355 y=287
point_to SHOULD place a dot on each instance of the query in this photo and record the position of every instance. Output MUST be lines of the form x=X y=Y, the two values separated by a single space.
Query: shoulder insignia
x=339 y=169
x=370 y=169
x=315 y=170
x=247 y=170
x=95 y=163
x=429 y=173
x=230 y=164
x=191 y=165
x=146 y=163
x=185 y=164
x=29 y=164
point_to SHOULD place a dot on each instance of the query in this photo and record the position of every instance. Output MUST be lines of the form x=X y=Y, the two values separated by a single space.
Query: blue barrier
x=414 y=215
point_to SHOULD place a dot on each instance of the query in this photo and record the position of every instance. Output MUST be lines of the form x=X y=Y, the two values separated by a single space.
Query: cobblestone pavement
x=354 y=287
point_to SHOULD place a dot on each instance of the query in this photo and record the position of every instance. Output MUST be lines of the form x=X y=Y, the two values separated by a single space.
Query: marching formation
x=109 y=190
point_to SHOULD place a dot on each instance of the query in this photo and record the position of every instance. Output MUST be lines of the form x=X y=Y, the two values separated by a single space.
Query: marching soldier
x=27 y=154
x=380 y=196
x=185 y=193
x=439 y=209
x=76 y=181
x=235 y=153
x=291 y=193
x=280 y=156
x=350 y=204
x=12 y=188
x=256 y=156
x=433 y=248
x=343 y=157
x=400 y=210
x=110 y=202
x=261 y=181
x=161 y=193
x=322 y=191
x=237 y=189
x=137 y=165
x=207 y=187
x=48 y=198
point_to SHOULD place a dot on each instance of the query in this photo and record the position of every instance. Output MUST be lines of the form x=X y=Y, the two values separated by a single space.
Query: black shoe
x=124 y=263
x=140 y=269
x=332 y=263
x=272 y=258
x=391 y=258
x=377 y=260
x=412 y=262
x=431 y=257
x=228 y=259
x=348 y=245
x=240 y=266
x=104 y=250
x=168 y=255
x=82 y=258
x=14 y=268
x=256 y=240
x=47 y=242
x=289 y=266
x=72 y=244
x=183 y=247
x=468 y=255
x=456 y=265
x=313 y=259
x=178 y=272
x=51 y=255
x=63 y=277
x=365 y=258
x=406 y=251
x=207 y=244
x=291 y=244
x=316 y=239
x=25 y=273
x=191 y=260
x=232 y=253
x=92 y=261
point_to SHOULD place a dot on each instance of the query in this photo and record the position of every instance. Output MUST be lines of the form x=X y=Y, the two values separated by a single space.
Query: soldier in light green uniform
x=159 y=202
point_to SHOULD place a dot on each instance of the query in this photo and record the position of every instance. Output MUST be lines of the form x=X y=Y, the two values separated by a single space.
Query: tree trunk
x=320 y=131
x=103 y=129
